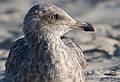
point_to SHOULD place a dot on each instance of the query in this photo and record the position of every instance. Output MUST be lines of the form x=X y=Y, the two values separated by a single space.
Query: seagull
x=45 y=54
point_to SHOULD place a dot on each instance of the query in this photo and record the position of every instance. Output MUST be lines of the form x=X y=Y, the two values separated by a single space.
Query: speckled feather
x=42 y=56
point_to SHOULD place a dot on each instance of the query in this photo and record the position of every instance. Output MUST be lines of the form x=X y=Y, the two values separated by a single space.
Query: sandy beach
x=101 y=48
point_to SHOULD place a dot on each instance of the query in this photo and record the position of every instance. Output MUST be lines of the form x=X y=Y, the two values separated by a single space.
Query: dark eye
x=56 y=16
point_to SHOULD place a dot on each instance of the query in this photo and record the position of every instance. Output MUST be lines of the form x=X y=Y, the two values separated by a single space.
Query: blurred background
x=101 y=48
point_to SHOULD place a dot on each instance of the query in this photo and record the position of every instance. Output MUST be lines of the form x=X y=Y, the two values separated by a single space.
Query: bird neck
x=43 y=44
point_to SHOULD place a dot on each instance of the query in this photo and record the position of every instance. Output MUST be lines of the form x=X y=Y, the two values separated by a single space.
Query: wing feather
x=18 y=54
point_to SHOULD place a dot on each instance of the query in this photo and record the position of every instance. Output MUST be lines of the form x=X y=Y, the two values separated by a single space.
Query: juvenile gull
x=45 y=54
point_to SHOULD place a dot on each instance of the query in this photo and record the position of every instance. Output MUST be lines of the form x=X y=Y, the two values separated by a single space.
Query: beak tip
x=88 y=27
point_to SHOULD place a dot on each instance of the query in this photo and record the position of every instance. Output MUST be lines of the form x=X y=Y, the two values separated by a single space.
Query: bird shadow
x=3 y=58
x=6 y=44
x=9 y=41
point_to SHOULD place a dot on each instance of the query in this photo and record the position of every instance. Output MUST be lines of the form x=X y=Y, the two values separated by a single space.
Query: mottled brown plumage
x=45 y=54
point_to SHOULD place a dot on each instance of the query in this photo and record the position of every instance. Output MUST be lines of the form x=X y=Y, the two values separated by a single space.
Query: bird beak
x=83 y=26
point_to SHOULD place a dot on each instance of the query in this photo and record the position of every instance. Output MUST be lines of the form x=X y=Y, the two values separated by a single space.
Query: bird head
x=46 y=18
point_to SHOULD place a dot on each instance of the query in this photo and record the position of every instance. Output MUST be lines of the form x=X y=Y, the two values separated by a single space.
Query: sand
x=102 y=48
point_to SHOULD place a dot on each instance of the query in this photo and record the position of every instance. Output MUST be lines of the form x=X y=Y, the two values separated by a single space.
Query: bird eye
x=56 y=16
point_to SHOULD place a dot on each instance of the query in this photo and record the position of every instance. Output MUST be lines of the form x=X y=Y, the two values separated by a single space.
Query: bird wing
x=78 y=51
x=18 y=54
